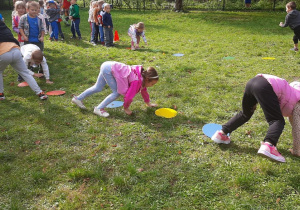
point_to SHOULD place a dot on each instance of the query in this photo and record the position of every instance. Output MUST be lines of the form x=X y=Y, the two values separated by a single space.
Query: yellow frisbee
x=268 y=58
x=166 y=112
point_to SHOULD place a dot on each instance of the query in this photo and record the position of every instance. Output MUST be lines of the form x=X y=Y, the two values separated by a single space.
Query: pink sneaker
x=220 y=138
x=271 y=152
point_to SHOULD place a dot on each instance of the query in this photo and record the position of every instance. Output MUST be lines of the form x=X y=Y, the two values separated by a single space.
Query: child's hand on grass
x=41 y=39
x=294 y=153
x=281 y=24
x=38 y=74
x=48 y=81
x=127 y=111
x=25 y=38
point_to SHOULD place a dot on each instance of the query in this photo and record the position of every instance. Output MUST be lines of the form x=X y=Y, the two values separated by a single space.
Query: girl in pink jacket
x=278 y=99
x=123 y=80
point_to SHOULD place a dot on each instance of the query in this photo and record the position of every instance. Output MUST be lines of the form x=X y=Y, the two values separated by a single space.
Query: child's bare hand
x=41 y=39
x=38 y=74
x=146 y=43
x=48 y=81
x=127 y=111
x=151 y=105
x=25 y=38
x=281 y=23
x=294 y=153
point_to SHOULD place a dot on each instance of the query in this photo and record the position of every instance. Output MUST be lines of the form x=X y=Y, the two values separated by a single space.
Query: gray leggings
x=14 y=58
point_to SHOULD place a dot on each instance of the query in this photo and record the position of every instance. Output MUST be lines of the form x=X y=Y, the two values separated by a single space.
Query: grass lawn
x=55 y=156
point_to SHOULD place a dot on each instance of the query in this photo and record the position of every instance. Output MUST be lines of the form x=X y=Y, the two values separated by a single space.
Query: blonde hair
x=94 y=4
x=19 y=4
x=32 y=4
x=140 y=25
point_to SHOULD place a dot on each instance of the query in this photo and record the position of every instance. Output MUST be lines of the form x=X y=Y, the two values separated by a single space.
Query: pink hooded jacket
x=129 y=82
x=287 y=95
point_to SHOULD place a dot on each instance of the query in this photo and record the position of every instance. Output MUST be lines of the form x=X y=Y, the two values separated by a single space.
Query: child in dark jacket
x=292 y=20
x=53 y=11
x=75 y=18
x=107 y=26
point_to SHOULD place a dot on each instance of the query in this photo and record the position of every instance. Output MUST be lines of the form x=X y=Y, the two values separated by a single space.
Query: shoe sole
x=269 y=156
x=100 y=115
x=219 y=141
x=80 y=106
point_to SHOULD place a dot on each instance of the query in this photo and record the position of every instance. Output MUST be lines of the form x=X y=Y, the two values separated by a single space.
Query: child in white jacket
x=136 y=31
x=32 y=57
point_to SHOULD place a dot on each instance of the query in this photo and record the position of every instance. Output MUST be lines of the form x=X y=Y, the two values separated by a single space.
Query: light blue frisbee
x=210 y=129
x=178 y=54
x=115 y=104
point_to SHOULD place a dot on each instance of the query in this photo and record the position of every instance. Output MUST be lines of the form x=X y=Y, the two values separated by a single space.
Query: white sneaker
x=78 y=102
x=132 y=48
x=101 y=113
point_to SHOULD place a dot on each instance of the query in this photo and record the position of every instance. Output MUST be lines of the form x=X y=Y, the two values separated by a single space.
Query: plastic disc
x=23 y=84
x=166 y=112
x=56 y=93
x=115 y=104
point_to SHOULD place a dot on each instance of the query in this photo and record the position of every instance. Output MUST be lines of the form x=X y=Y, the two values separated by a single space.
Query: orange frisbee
x=56 y=93
x=23 y=84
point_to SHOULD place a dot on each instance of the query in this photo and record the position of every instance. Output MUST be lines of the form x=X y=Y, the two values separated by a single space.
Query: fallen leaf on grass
x=175 y=107
x=114 y=145
x=277 y=200
x=179 y=152
x=37 y=142
x=140 y=170
x=11 y=84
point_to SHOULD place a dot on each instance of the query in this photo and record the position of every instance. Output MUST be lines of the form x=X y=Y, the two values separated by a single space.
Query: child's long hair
x=149 y=75
x=19 y=4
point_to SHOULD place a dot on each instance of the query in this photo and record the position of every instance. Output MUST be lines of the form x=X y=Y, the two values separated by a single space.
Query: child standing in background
x=65 y=15
x=95 y=27
x=91 y=17
x=42 y=14
x=123 y=80
x=31 y=26
x=292 y=20
x=278 y=99
x=53 y=11
x=107 y=26
x=98 y=13
x=20 y=10
x=75 y=18
x=136 y=31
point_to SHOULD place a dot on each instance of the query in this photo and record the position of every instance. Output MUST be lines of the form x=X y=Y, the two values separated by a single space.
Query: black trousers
x=259 y=90
x=296 y=36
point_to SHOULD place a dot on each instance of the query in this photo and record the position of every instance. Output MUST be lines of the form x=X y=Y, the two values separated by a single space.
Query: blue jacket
x=107 y=20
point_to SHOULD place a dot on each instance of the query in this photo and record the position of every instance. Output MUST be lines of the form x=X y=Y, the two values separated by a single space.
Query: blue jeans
x=75 y=27
x=105 y=77
x=54 y=32
x=101 y=34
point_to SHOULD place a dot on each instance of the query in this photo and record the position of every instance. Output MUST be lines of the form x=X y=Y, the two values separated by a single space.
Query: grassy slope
x=55 y=155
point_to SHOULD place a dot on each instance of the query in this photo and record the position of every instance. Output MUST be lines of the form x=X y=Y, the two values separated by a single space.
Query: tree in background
x=178 y=5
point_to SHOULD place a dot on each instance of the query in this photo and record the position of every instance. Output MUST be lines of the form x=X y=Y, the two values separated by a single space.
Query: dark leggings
x=259 y=90
x=296 y=36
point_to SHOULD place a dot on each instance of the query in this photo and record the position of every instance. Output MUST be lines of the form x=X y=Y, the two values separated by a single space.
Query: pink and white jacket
x=287 y=95
x=129 y=82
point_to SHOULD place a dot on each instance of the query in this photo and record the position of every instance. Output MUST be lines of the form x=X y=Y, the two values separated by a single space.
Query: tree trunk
x=178 y=5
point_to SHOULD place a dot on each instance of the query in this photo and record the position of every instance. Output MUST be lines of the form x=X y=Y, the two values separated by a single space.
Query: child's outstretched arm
x=46 y=70
x=146 y=98
x=295 y=121
x=144 y=37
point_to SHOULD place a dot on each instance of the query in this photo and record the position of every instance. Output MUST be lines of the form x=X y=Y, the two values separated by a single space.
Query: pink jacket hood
x=287 y=95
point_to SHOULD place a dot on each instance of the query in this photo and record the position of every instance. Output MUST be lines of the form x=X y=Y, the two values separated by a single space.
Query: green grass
x=54 y=155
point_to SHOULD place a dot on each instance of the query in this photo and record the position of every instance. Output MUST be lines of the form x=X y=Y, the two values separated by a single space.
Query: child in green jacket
x=75 y=18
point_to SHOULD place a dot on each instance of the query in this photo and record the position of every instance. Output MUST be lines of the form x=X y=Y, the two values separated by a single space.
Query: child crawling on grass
x=136 y=31
x=277 y=99
x=123 y=80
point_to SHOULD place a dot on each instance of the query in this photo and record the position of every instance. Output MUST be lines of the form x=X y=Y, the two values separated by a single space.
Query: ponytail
x=150 y=74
